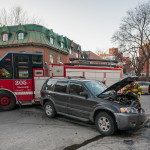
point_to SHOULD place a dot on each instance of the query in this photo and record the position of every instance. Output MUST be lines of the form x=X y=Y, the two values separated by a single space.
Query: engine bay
x=129 y=100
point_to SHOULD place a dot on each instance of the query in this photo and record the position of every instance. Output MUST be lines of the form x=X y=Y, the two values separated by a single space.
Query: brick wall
x=33 y=49
x=113 y=51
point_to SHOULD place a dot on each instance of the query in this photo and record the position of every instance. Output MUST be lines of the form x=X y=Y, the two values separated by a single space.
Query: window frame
x=5 y=37
x=51 y=54
x=70 y=51
x=77 y=55
x=20 y=36
x=35 y=62
x=20 y=63
x=58 y=57
x=17 y=72
x=51 y=40
x=59 y=81
x=6 y=67
x=62 y=45
x=84 y=89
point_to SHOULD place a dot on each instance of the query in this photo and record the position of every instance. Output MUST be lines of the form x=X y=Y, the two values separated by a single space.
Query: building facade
x=33 y=38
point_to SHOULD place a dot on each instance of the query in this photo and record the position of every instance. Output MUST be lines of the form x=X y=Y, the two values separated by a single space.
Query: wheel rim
x=5 y=101
x=49 y=110
x=104 y=124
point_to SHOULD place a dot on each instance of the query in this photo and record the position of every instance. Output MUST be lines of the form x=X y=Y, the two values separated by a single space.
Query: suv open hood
x=120 y=84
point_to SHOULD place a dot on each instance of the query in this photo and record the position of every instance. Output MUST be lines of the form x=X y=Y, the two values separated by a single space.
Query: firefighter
x=133 y=88
x=134 y=91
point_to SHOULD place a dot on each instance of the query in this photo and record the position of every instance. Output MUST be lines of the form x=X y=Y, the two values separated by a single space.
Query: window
x=5 y=72
x=62 y=45
x=37 y=59
x=61 y=87
x=50 y=84
x=58 y=59
x=20 y=36
x=70 y=51
x=76 y=88
x=21 y=59
x=77 y=55
x=44 y=87
x=51 y=40
x=5 y=37
x=95 y=87
x=51 y=58
x=22 y=72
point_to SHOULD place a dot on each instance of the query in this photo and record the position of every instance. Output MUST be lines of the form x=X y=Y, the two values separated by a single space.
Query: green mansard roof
x=35 y=35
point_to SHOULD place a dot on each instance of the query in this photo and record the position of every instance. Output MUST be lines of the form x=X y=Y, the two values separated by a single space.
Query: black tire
x=7 y=101
x=49 y=110
x=105 y=123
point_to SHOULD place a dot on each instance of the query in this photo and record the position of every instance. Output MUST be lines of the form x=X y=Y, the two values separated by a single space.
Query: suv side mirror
x=85 y=94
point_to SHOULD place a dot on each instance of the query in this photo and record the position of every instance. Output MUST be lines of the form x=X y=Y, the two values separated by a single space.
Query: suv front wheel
x=49 y=110
x=105 y=123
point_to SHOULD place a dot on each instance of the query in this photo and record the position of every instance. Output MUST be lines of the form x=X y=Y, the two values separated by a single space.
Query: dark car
x=92 y=101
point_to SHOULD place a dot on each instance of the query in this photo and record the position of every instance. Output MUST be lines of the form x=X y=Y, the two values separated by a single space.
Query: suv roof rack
x=73 y=77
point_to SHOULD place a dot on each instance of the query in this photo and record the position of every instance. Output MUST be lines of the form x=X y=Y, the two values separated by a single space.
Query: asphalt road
x=28 y=128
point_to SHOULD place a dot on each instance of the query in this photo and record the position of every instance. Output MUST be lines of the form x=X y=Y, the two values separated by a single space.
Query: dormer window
x=51 y=40
x=62 y=45
x=5 y=37
x=20 y=36
x=70 y=51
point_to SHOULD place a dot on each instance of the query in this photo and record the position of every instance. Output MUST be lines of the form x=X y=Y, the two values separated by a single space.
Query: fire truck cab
x=16 y=78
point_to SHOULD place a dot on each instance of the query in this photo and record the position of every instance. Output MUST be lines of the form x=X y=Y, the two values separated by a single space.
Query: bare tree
x=134 y=34
x=15 y=16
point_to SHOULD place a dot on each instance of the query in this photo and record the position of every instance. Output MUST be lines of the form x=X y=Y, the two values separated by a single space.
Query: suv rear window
x=49 y=85
x=61 y=87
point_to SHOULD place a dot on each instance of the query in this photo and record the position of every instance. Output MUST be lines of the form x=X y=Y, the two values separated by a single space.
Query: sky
x=89 y=23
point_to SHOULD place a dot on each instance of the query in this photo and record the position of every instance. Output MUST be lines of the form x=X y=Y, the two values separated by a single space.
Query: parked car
x=145 y=87
x=90 y=100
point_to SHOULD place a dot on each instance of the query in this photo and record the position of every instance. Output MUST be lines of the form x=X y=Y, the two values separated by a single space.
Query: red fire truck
x=16 y=78
x=22 y=76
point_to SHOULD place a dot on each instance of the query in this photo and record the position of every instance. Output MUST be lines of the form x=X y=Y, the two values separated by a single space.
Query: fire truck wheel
x=7 y=101
x=49 y=110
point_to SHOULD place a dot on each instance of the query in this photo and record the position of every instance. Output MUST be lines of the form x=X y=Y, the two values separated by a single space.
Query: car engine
x=129 y=100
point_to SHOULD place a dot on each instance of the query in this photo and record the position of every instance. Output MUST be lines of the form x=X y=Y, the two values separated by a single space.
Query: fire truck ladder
x=99 y=62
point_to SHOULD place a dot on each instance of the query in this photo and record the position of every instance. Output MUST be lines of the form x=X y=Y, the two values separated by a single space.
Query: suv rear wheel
x=105 y=123
x=49 y=110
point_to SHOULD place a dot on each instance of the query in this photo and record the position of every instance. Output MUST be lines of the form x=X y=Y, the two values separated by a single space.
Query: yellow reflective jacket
x=134 y=88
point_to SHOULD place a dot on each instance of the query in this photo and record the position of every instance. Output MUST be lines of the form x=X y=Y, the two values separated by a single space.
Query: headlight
x=131 y=110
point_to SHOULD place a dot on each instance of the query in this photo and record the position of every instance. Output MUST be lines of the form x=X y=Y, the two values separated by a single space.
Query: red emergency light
x=7 y=59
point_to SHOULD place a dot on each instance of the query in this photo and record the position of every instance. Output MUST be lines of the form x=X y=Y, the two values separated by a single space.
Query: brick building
x=113 y=51
x=33 y=38
x=140 y=55
x=90 y=55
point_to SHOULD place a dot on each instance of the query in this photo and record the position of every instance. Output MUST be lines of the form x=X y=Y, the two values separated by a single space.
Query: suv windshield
x=95 y=87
